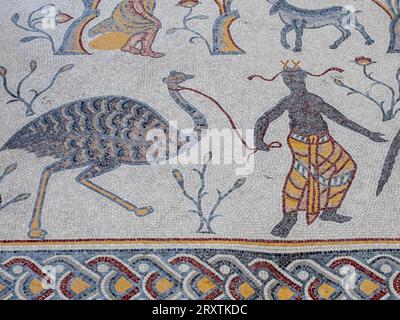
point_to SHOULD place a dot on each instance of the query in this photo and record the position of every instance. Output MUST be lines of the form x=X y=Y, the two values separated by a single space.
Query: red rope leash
x=275 y=144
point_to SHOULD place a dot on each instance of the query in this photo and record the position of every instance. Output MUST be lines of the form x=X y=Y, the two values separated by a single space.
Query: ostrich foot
x=131 y=50
x=282 y=229
x=369 y=42
x=37 y=233
x=142 y=212
x=334 y=217
x=152 y=54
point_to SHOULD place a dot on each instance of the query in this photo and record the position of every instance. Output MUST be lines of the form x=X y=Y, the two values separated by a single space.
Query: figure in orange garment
x=131 y=23
x=322 y=171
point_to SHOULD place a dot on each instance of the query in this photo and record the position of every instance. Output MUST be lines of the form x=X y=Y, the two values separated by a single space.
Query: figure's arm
x=341 y=119
x=263 y=123
x=137 y=6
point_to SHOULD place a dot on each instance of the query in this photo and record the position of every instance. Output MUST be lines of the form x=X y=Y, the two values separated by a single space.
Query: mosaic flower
x=33 y=65
x=3 y=71
x=338 y=82
x=208 y=157
x=239 y=183
x=188 y=3
x=363 y=61
x=178 y=177
x=62 y=17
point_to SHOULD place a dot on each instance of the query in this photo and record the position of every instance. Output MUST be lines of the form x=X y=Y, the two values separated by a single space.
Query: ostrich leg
x=35 y=230
x=97 y=170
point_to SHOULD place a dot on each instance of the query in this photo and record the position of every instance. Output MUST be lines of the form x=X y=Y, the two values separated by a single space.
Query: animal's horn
x=326 y=71
x=262 y=78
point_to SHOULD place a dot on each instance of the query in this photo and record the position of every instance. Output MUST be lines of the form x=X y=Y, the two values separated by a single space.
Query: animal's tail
x=389 y=163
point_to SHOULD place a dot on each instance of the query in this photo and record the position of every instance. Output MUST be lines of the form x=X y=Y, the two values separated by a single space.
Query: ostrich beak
x=189 y=76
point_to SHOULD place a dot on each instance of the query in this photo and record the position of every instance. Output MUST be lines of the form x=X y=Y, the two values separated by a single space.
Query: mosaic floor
x=199 y=150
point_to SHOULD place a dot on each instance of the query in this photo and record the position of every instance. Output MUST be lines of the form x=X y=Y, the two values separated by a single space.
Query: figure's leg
x=333 y=216
x=130 y=46
x=360 y=28
x=285 y=30
x=293 y=194
x=35 y=230
x=345 y=35
x=147 y=42
x=283 y=228
x=299 y=29
x=97 y=170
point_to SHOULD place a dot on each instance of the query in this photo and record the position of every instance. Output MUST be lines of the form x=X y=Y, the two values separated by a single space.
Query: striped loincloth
x=320 y=176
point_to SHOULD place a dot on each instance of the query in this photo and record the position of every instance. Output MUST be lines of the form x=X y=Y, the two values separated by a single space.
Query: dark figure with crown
x=322 y=170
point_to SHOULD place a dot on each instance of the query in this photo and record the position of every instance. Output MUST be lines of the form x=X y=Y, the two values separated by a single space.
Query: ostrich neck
x=199 y=120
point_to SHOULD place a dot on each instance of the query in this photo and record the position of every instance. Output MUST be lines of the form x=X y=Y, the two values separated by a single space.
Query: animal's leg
x=360 y=28
x=97 y=170
x=299 y=29
x=285 y=30
x=345 y=35
x=35 y=230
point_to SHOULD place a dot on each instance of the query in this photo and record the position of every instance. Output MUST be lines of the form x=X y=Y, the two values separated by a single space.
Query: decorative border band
x=208 y=241
x=212 y=274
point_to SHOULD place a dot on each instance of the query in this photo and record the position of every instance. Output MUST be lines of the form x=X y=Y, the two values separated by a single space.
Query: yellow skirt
x=320 y=176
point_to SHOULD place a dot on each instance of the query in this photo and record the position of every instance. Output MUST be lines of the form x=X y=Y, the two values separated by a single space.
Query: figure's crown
x=286 y=64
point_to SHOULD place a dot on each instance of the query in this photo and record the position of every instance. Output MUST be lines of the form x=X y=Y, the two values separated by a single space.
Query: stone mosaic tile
x=222 y=149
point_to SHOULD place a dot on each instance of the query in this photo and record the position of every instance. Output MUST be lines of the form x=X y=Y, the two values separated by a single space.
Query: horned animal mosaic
x=215 y=149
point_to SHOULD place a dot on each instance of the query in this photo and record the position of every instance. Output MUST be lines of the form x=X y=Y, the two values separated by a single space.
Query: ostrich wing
x=389 y=163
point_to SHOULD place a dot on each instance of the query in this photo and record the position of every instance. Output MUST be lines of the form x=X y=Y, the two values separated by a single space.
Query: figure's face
x=294 y=78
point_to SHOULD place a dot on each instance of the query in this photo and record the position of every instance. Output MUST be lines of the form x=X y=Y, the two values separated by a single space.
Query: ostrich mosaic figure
x=100 y=134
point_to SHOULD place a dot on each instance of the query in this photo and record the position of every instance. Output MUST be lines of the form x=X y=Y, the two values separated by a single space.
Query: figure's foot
x=296 y=49
x=37 y=234
x=142 y=212
x=334 y=217
x=369 y=42
x=286 y=45
x=333 y=46
x=282 y=229
x=152 y=54
x=132 y=50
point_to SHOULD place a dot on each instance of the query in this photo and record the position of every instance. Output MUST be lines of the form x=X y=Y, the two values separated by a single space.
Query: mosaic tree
x=222 y=41
x=21 y=197
x=28 y=100
x=390 y=106
x=205 y=220
x=222 y=38
x=392 y=9
x=40 y=21
x=72 y=42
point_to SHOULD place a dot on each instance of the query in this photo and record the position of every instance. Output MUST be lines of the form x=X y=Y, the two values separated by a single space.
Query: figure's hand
x=377 y=137
x=263 y=147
